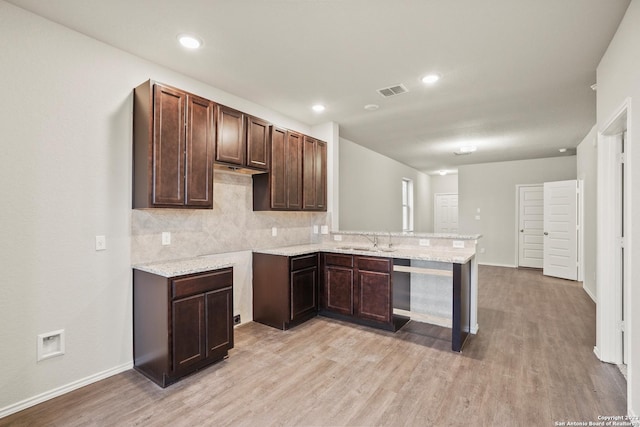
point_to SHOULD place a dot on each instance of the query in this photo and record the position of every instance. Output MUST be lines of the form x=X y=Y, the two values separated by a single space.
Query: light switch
x=337 y=237
x=101 y=243
x=315 y=229
x=274 y=231
x=166 y=238
x=478 y=210
x=424 y=242
x=324 y=229
x=477 y=217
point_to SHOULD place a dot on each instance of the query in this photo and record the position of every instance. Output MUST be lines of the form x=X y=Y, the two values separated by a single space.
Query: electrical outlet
x=236 y=319
x=424 y=242
x=477 y=217
x=166 y=238
x=458 y=244
x=324 y=229
x=315 y=229
x=482 y=250
x=274 y=231
x=50 y=345
x=337 y=238
x=101 y=243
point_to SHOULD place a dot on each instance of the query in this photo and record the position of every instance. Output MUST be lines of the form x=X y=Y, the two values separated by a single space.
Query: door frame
x=517 y=229
x=608 y=317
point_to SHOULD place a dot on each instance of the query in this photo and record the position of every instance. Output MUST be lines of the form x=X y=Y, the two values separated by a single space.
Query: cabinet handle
x=545 y=233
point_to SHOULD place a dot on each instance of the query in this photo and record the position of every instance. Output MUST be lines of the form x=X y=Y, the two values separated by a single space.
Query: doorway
x=445 y=213
x=614 y=269
x=530 y=225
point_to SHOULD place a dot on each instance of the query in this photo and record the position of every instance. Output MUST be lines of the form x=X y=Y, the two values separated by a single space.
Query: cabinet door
x=230 y=145
x=339 y=289
x=309 y=173
x=320 y=174
x=374 y=296
x=304 y=289
x=257 y=143
x=199 y=155
x=219 y=324
x=278 y=170
x=294 y=170
x=168 y=146
x=187 y=331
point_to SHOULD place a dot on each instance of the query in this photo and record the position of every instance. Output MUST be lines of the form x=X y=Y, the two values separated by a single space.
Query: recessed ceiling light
x=430 y=78
x=318 y=108
x=371 y=107
x=562 y=150
x=443 y=172
x=189 y=41
x=468 y=149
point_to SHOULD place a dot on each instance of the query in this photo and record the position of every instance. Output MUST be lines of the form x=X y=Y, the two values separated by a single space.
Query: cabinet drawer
x=382 y=265
x=341 y=260
x=202 y=283
x=304 y=261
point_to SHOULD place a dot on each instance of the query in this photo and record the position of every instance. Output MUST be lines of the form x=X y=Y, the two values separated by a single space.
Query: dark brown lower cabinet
x=181 y=324
x=285 y=289
x=358 y=289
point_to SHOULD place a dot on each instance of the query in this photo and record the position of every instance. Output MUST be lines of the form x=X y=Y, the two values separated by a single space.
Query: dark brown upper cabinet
x=281 y=188
x=173 y=143
x=242 y=140
x=314 y=174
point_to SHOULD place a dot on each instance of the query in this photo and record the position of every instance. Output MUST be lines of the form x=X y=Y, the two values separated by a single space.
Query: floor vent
x=392 y=90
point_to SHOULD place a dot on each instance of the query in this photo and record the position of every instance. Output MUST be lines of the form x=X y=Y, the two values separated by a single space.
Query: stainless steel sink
x=365 y=249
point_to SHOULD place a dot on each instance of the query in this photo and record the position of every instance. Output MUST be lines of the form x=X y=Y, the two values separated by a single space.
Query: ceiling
x=515 y=75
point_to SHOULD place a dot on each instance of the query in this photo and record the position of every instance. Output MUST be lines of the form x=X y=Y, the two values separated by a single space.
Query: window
x=407 y=204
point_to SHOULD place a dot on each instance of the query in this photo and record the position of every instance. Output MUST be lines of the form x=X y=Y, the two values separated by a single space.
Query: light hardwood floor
x=531 y=364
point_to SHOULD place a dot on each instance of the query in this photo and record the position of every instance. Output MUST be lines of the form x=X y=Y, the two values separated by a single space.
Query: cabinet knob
x=545 y=233
x=522 y=230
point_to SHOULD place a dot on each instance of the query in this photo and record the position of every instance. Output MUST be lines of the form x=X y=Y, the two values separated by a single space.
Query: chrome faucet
x=374 y=240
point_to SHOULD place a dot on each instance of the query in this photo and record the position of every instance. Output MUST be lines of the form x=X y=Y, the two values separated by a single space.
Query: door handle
x=522 y=231
x=545 y=233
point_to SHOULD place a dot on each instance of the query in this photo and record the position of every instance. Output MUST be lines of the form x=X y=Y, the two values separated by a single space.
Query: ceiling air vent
x=392 y=90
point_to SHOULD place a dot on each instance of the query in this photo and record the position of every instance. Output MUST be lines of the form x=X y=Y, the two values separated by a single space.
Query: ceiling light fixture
x=189 y=41
x=468 y=149
x=371 y=107
x=430 y=78
x=442 y=173
x=562 y=150
x=318 y=108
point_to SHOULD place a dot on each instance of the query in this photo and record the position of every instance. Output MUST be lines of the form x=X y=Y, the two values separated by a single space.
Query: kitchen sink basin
x=365 y=249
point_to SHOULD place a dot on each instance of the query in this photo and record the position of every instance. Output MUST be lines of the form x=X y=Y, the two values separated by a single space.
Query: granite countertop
x=426 y=253
x=410 y=234
x=182 y=267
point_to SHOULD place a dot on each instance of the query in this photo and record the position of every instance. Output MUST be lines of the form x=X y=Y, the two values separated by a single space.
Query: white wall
x=491 y=187
x=444 y=184
x=586 y=168
x=371 y=191
x=65 y=168
x=618 y=79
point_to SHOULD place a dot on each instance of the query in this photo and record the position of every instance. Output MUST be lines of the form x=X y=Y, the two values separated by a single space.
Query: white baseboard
x=593 y=298
x=494 y=264
x=32 y=401
x=597 y=352
x=635 y=420
x=474 y=329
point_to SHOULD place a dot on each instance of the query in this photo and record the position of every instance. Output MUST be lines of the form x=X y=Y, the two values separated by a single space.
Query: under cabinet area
x=173 y=145
x=285 y=289
x=181 y=324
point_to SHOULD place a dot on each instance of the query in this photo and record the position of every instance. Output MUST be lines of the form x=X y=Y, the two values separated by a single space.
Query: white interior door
x=530 y=226
x=446 y=213
x=561 y=229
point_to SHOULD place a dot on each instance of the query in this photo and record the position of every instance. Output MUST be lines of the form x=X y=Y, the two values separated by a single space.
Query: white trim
x=596 y=352
x=474 y=329
x=495 y=264
x=59 y=391
x=593 y=297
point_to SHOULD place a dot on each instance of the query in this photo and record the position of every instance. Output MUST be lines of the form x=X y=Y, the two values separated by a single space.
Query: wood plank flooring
x=531 y=364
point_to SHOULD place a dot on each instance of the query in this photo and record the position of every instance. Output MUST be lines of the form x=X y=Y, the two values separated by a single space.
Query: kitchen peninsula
x=353 y=276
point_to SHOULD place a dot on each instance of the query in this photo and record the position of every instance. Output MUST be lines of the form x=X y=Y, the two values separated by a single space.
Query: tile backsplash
x=231 y=226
